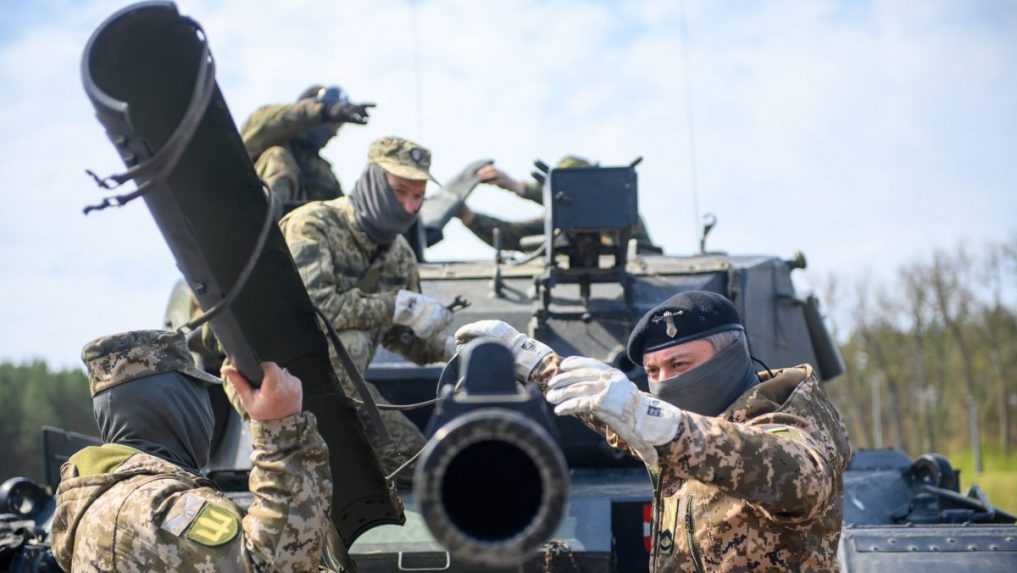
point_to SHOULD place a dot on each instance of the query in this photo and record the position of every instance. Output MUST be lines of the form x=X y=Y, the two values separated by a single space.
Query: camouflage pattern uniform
x=291 y=167
x=354 y=281
x=758 y=488
x=120 y=509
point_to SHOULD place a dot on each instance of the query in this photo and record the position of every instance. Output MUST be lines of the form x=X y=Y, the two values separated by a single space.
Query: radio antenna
x=689 y=118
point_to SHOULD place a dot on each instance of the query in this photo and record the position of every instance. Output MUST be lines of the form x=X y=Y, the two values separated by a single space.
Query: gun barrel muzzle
x=492 y=486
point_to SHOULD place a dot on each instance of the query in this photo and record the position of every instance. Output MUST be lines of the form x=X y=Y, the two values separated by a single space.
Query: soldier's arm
x=276 y=124
x=483 y=226
x=401 y=340
x=279 y=170
x=285 y=523
x=546 y=370
x=330 y=289
x=532 y=191
x=284 y=528
x=779 y=462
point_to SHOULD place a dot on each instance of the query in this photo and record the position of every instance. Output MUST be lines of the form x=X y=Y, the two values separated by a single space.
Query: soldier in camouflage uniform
x=512 y=232
x=746 y=467
x=361 y=272
x=139 y=503
x=285 y=143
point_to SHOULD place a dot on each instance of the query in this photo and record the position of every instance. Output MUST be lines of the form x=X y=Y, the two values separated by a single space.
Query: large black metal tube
x=491 y=484
x=149 y=76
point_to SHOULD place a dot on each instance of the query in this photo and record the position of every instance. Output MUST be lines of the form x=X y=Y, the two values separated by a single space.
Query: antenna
x=415 y=36
x=693 y=171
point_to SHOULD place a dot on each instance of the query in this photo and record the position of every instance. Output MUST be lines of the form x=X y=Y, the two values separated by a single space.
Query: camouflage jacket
x=758 y=488
x=119 y=509
x=291 y=168
x=354 y=281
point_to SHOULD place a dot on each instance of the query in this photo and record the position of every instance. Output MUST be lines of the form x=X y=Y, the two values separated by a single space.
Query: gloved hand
x=527 y=351
x=587 y=386
x=422 y=314
x=347 y=112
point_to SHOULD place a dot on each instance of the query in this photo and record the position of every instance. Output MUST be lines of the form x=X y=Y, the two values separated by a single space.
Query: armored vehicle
x=503 y=484
x=580 y=293
x=900 y=513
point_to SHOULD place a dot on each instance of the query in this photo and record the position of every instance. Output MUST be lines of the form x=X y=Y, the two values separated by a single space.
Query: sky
x=865 y=134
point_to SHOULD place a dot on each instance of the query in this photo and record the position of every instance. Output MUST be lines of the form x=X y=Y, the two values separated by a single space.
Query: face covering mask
x=711 y=387
x=168 y=415
x=376 y=208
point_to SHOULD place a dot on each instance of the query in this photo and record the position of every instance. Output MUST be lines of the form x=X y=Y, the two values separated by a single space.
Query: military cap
x=401 y=157
x=120 y=358
x=686 y=316
x=571 y=161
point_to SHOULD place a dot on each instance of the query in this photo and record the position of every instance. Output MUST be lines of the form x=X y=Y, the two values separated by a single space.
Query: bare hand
x=494 y=176
x=279 y=396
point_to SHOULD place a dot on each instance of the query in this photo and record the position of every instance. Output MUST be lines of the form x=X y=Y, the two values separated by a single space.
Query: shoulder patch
x=182 y=514
x=215 y=525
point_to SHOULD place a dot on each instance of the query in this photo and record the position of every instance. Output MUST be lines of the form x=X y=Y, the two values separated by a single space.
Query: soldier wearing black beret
x=746 y=466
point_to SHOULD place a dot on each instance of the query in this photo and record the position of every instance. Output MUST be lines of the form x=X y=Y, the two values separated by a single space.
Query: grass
x=998 y=480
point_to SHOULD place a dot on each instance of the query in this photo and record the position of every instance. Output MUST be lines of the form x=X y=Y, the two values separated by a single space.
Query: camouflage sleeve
x=278 y=169
x=776 y=462
x=483 y=226
x=178 y=525
x=292 y=488
x=273 y=125
x=330 y=289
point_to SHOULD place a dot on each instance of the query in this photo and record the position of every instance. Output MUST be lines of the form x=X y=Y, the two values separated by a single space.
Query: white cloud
x=862 y=136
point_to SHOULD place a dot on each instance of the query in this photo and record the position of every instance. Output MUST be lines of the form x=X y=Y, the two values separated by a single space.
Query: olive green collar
x=97 y=460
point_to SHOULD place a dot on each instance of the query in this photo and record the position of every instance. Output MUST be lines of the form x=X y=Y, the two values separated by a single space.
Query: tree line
x=928 y=352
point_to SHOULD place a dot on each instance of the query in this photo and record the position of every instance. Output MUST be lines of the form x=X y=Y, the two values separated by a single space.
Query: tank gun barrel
x=491 y=483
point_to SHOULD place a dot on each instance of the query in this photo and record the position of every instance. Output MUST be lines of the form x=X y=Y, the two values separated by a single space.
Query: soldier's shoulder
x=261 y=113
x=332 y=212
x=174 y=506
x=201 y=515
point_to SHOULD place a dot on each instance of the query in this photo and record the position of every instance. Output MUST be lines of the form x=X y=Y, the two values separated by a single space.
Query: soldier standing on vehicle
x=746 y=467
x=362 y=274
x=139 y=503
x=285 y=143
x=512 y=232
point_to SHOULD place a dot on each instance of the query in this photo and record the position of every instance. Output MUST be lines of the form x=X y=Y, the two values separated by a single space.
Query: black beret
x=686 y=316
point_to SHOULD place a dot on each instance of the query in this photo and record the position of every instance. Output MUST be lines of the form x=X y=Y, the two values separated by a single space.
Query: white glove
x=424 y=315
x=527 y=351
x=588 y=386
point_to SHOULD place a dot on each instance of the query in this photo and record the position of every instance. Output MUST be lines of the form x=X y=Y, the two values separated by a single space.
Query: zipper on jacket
x=691 y=538
x=655 y=526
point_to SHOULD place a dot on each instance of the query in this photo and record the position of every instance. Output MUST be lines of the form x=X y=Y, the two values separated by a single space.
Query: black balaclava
x=711 y=387
x=167 y=415
x=714 y=385
x=376 y=208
